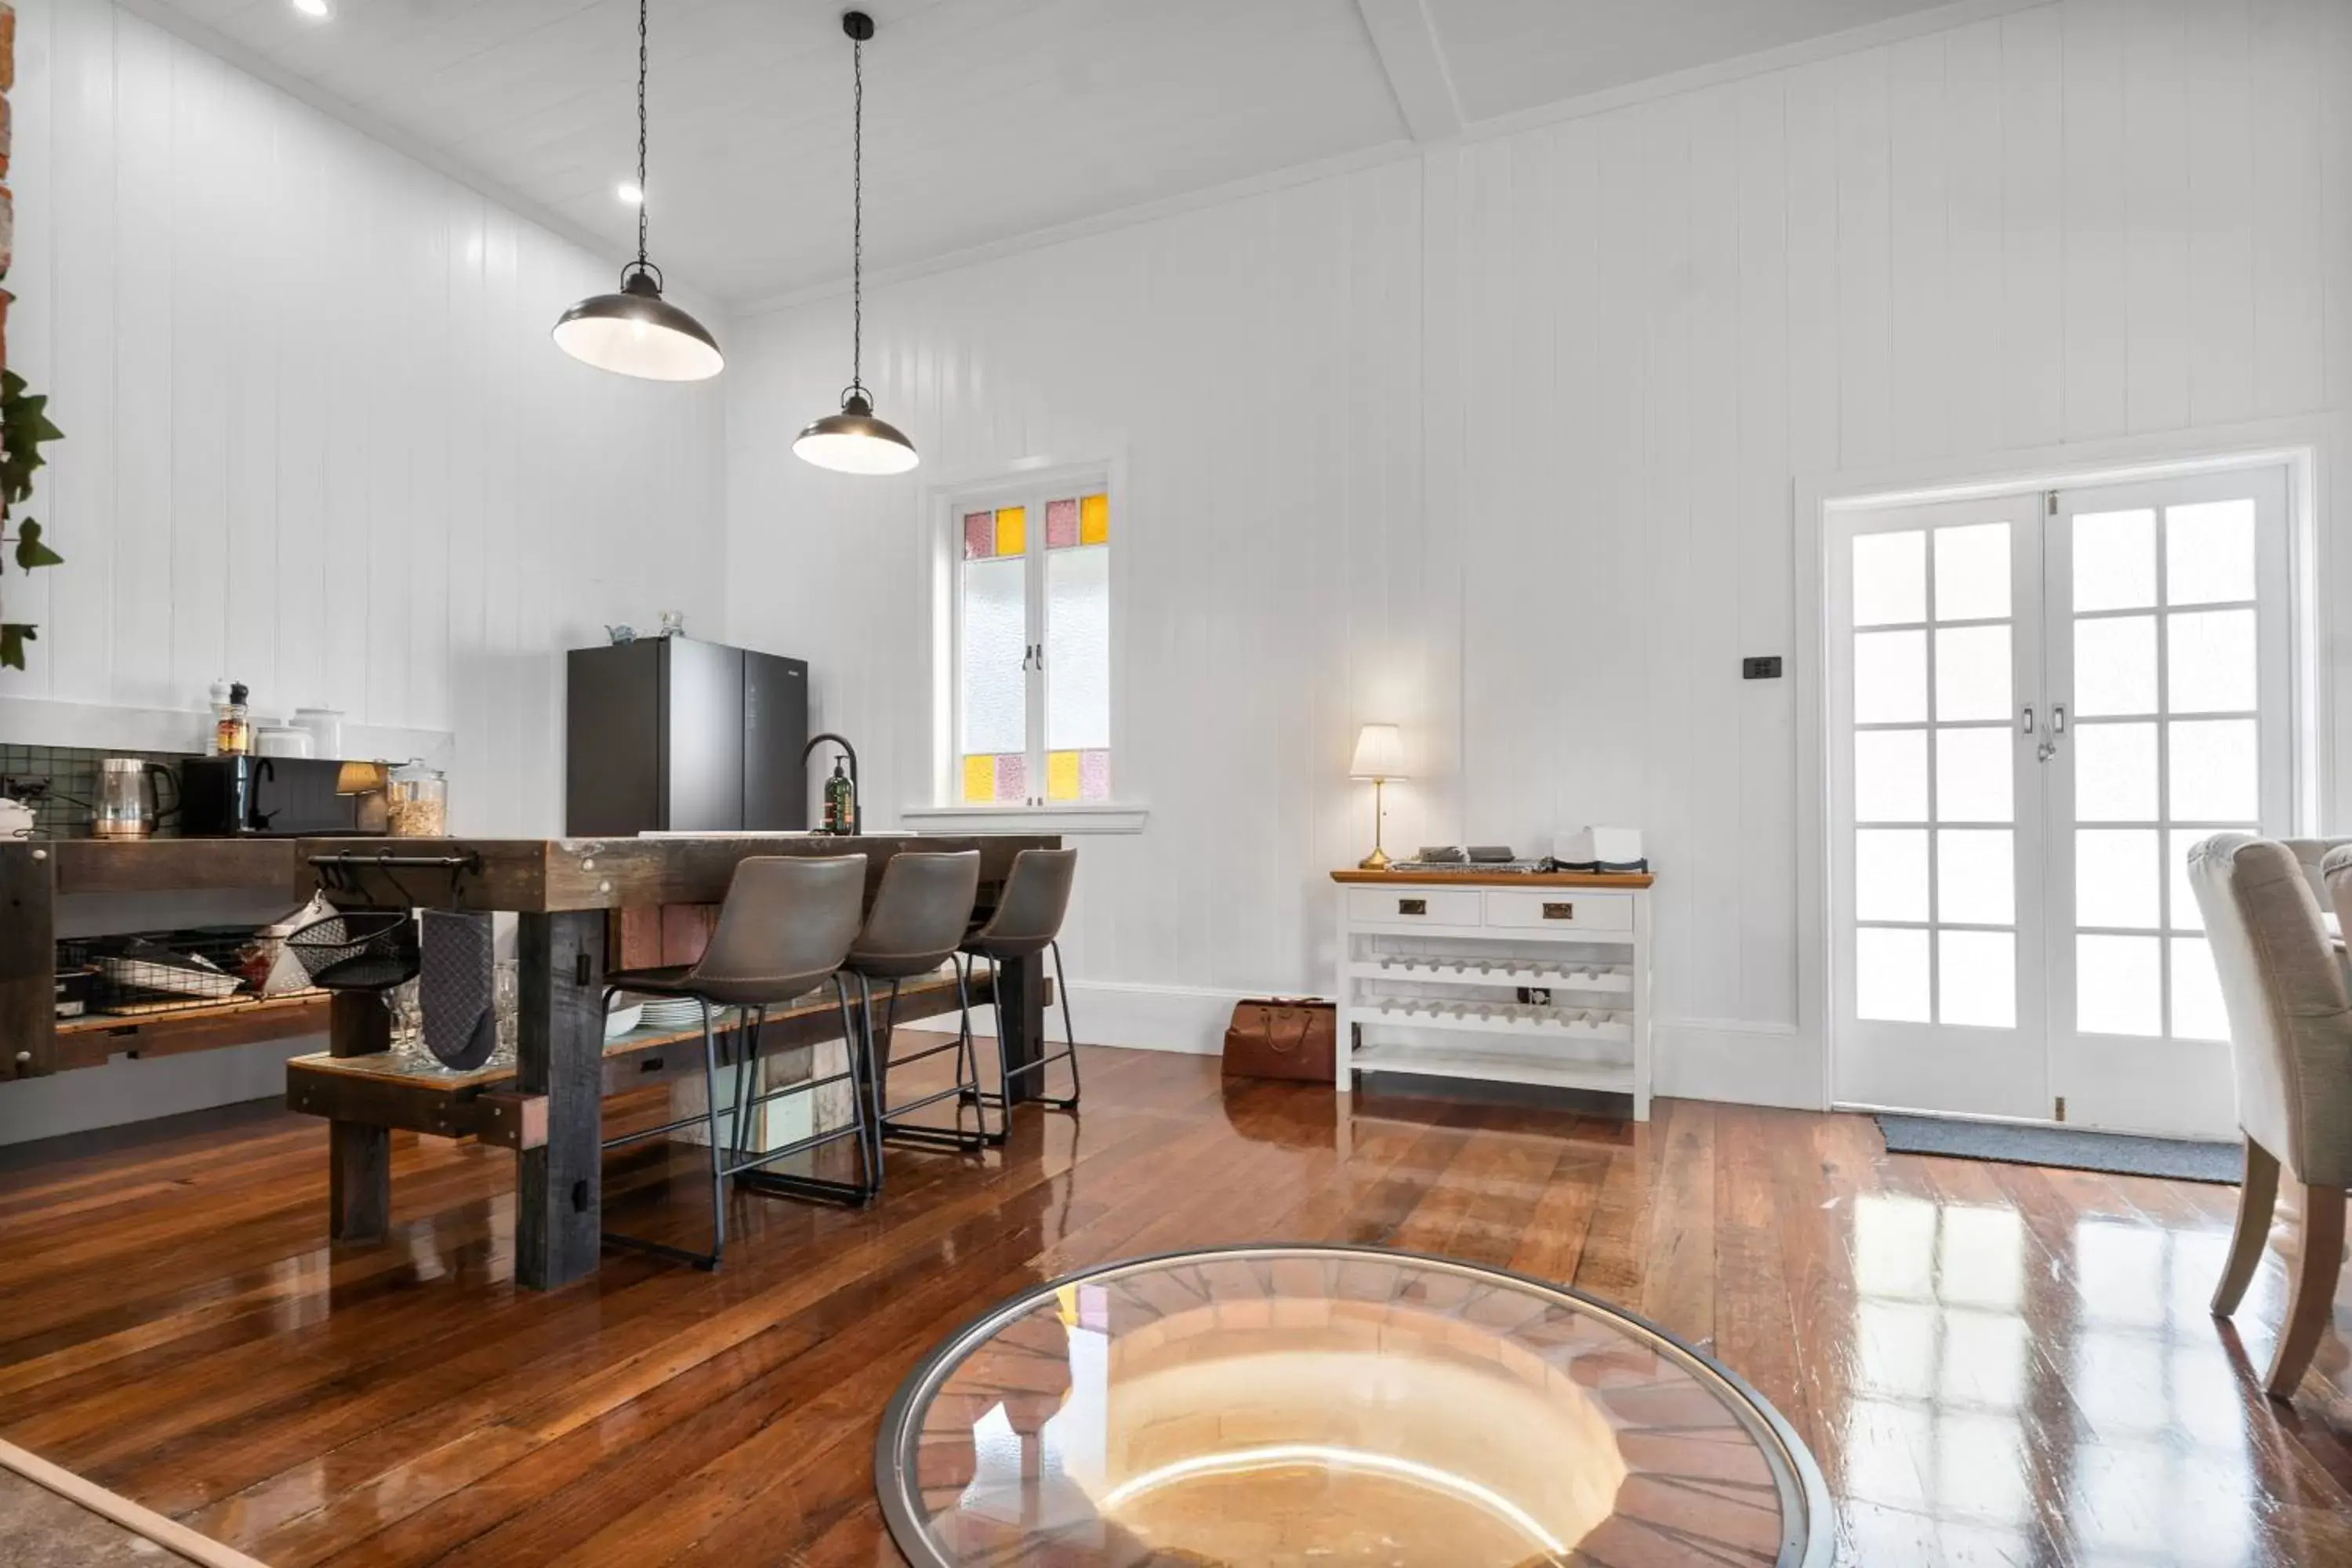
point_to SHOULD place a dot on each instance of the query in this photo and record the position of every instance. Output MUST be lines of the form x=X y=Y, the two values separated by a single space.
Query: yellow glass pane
x=979 y=781
x=1094 y=520
x=1062 y=775
x=1012 y=529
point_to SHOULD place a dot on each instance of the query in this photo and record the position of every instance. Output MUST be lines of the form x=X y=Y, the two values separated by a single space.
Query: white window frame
x=1028 y=484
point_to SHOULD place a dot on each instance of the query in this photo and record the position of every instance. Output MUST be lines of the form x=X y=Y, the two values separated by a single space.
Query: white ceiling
x=985 y=118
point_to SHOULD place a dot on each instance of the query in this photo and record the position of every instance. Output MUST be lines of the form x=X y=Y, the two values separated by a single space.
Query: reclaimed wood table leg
x=359 y=1174
x=559 y=1187
x=1020 y=1000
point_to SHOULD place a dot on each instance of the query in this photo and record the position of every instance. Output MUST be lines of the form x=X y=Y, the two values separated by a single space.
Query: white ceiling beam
x=1410 y=53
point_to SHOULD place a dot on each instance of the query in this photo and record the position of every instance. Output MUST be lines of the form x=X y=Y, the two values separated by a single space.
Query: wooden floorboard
x=1993 y=1363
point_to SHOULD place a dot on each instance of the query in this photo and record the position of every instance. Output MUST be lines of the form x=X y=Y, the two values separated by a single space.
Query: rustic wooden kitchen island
x=573 y=898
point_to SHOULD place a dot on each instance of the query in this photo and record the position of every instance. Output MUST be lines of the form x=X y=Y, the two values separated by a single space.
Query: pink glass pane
x=1061 y=524
x=1012 y=778
x=979 y=534
x=1094 y=775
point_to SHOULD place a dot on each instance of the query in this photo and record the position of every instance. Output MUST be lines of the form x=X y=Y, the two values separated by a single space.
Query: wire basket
x=363 y=949
x=163 y=972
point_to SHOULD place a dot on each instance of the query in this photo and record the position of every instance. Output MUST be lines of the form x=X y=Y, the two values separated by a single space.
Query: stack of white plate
x=671 y=1013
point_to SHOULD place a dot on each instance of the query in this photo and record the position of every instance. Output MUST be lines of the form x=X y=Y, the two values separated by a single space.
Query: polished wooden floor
x=1994 y=1365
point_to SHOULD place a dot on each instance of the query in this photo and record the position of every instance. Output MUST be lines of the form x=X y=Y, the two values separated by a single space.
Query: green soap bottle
x=840 y=801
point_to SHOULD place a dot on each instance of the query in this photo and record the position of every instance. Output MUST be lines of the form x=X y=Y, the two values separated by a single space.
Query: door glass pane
x=1890 y=874
x=2116 y=877
x=1973 y=775
x=1078 y=647
x=1890 y=974
x=1976 y=876
x=1972 y=672
x=2208 y=552
x=2114 y=772
x=2209 y=661
x=2115 y=665
x=1890 y=578
x=1890 y=775
x=1890 y=678
x=1972 y=572
x=2114 y=560
x=2198 y=1013
x=1978 y=980
x=995 y=638
x=2118 y=986
x=2214 y=770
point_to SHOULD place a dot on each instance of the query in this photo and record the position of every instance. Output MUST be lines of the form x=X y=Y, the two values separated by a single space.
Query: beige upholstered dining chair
x=2291 y=1039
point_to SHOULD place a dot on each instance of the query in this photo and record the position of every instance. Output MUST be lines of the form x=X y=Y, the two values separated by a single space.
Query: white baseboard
x=1737 y=1062
x=1725 y=1059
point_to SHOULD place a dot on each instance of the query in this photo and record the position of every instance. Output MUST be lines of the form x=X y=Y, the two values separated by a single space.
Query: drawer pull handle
x=1559 y=911
x=1412 y=906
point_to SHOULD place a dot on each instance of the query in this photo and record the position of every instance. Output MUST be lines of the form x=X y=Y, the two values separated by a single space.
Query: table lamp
x=1380 y=757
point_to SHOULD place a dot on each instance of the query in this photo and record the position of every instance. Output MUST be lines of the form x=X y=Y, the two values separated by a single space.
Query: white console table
x=1530 y=978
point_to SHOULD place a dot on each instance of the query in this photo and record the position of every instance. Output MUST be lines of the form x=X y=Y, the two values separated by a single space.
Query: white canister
x=281 y=741
x=326 y=728
x=16 y=819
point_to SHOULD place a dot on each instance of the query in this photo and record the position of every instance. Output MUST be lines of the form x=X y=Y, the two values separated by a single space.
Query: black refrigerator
x=673 y=734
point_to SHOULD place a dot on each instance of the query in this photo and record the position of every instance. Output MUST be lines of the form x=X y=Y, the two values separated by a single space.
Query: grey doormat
x=2111 y=1151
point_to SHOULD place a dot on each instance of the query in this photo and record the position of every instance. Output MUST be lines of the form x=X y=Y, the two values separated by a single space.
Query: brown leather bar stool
x=1028 y=920
x=921 y=915
x=782 y=933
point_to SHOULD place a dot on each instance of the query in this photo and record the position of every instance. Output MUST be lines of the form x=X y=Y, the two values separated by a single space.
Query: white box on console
x=1611 y=845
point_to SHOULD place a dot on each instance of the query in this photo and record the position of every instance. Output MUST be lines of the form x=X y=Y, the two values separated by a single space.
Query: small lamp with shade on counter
x=1380 y=757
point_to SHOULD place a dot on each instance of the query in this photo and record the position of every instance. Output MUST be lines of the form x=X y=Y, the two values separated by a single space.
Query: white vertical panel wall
x=317 y=437
x=1500 y=443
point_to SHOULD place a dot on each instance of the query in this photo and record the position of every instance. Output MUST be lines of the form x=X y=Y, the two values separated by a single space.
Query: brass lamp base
x=1378 y=859
x=1375 y=861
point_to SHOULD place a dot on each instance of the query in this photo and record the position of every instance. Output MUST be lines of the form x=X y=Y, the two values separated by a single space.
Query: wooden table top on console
x=550 y=875
x=1471 y=876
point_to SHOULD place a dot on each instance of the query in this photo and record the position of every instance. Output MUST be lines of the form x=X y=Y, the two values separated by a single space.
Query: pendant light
x=637 y=332
x=853 y=441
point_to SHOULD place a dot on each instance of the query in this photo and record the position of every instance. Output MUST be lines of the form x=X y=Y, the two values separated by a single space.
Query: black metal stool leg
x=719 y=1163
x=1070 y=1036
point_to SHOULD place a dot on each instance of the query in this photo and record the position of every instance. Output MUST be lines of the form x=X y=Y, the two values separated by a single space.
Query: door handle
x=2058 y=718
x=2025 y=719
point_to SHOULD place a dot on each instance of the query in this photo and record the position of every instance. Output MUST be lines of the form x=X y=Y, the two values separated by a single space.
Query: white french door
x=2040 y=701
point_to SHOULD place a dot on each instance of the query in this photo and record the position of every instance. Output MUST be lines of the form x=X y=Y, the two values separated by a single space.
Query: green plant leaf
x=14 y=635
x=30 y=551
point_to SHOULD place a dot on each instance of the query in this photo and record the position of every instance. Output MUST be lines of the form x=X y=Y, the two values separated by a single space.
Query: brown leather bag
x=1283 y=1036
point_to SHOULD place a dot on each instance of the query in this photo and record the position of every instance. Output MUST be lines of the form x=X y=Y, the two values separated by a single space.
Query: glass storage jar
x=417 y=802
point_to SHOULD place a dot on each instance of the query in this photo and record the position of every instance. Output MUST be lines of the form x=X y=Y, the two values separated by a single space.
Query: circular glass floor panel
x=1334 y=1407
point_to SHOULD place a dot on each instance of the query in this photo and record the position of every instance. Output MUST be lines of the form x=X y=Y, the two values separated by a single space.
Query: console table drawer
x=1560 y=909
x=1415 y=906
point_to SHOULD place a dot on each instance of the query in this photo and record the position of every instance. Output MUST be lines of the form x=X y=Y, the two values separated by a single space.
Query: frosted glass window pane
x=1972 y=572
x=1094 y=774
x=2115 y=665
x=2211 y=661
x=2208 y=552
x=1975 y=775
x=1890 y=775
x=995 y=636
x=1979 y=980
x=2215 y=769
x=1061 y=524
x=2114 y=772
x=1011 y=777
x=1093 y=520
x=1890 y=578
x=1012 y=529
x=2116 y=878
x=1975 y=877
x=1972 y=673
x=979 y=781
x=2185 y=915
x=2198 y=1011
x=1890 y=974
x=2118 y=986
x=2114 y=560
x=979 y=534
x=1062 y=774
x=1890 y=678
x=1890 y=874
x=1078 y=650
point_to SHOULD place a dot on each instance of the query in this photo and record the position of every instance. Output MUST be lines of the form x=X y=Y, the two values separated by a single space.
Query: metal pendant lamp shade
x=853 y=441
x=636 y=332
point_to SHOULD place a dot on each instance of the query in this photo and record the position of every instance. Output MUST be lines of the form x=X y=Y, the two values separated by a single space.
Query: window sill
x=1106 y=818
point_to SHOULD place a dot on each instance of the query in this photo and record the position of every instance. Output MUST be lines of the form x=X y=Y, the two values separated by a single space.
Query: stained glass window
x=1033 y=650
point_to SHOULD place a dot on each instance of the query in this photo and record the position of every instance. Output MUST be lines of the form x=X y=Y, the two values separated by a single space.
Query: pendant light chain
x=858 y=214
x=641 y=132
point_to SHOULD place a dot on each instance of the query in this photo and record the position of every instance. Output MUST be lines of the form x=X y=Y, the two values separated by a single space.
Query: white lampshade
x=1379 y=754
